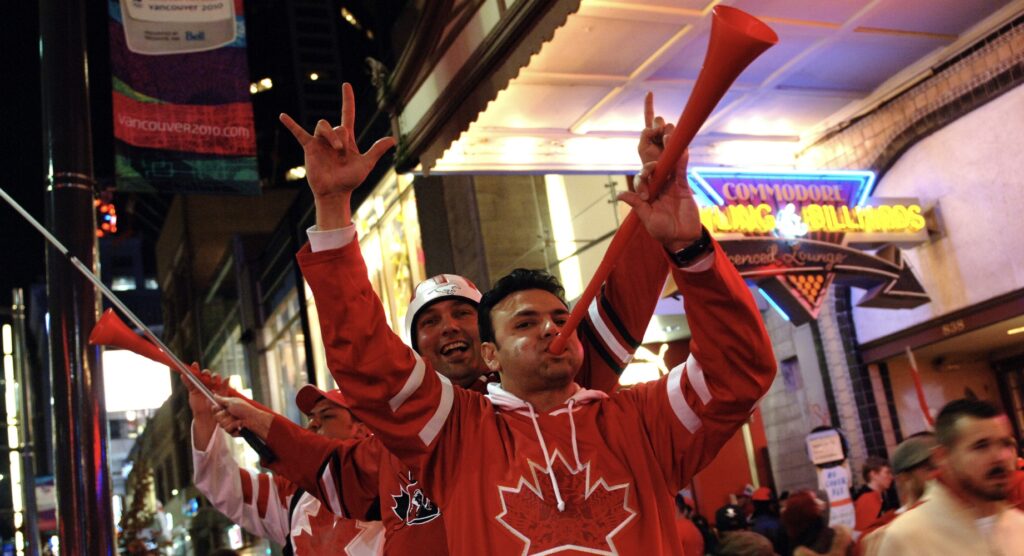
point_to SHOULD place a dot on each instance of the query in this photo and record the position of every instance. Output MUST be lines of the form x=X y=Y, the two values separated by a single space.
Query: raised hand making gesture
x=334 y=165
x=673 y=217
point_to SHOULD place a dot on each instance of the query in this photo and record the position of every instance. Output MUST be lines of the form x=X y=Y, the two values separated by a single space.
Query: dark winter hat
x=913 y=452
x=730 y=518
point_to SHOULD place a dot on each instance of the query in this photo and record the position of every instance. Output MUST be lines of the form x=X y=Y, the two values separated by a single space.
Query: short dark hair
x=945 y=424
x=873 y=464
x=518 y=280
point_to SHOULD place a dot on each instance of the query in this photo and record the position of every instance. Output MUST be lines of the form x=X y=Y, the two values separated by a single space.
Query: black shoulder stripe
x=616 y=321
x=599 y=348
x=336 y=475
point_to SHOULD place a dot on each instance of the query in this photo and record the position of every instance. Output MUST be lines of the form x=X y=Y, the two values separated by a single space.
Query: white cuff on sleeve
x=330 y=239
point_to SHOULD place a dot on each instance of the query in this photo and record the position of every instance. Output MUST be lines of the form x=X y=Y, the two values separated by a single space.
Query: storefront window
x=229 y=362
x=389 y=236
x=323 y=375
x=583 y=218
x=286 y=356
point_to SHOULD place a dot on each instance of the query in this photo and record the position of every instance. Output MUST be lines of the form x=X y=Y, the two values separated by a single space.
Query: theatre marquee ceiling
x=577 y=105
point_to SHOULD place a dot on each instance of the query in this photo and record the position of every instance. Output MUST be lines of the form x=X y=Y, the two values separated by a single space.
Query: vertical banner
x=182 y=117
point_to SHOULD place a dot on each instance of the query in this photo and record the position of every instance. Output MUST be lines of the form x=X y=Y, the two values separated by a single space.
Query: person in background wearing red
x=271 y=506
x=689 y=534
x=1016 y=495
x=805 y=520
x=870 y=502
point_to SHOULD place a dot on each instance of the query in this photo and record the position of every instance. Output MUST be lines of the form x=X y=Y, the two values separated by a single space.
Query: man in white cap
x=271 y=506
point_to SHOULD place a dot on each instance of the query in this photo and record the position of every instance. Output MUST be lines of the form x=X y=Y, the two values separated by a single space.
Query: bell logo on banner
x=175 y=26
x=182 y=117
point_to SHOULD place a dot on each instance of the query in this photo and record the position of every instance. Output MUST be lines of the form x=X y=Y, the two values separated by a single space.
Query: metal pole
x=28 y=466
x=84 y=507
x=257 y=444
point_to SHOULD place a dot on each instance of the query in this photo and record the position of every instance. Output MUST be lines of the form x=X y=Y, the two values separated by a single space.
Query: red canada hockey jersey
x=616 y=320
x=595 y=475
x=265 y=505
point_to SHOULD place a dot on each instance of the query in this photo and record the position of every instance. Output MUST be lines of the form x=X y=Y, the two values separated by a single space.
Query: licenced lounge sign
x=794 y=234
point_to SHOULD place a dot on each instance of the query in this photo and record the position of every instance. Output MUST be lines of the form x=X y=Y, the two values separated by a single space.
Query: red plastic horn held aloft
x=110 y=330
x=737 y=38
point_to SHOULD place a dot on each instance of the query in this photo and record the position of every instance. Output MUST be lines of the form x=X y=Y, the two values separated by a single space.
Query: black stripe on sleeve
x=592 y=339
x=616 y=321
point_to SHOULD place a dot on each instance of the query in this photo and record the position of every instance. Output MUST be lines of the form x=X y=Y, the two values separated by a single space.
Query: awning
x=558 y=87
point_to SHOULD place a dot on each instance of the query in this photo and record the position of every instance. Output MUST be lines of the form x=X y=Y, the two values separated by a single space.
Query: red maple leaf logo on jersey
x=594 y=512
x=326 y=534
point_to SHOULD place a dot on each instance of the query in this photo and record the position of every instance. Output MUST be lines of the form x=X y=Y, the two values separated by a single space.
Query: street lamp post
x=82 y=476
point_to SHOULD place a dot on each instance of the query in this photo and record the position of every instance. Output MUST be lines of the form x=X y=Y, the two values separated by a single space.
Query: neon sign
x=795 y=233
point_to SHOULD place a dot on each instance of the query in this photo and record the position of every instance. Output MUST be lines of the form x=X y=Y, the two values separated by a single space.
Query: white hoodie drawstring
x=547 y=460
x=572 y=427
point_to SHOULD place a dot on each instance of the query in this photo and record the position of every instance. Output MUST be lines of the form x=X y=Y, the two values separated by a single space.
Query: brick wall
x=876 y=140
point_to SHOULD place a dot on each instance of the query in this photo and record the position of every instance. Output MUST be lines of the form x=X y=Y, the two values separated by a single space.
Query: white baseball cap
x=438 y=288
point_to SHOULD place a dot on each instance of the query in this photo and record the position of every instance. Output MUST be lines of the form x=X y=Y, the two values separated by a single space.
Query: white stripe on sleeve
x=411 y=384
x=328 y=485
x=444 y=408
x=695 y=374
x=683 y=411
x=622 y=353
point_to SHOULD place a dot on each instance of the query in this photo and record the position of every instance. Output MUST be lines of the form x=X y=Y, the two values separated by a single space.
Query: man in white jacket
x=965 y=511
x=270 y=506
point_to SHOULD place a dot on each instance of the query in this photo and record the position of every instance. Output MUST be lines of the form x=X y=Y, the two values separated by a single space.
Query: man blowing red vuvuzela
x=352 y=478
x=540 y=464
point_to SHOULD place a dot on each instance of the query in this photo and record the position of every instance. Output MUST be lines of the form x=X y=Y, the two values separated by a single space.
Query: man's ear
x=940 y=456
x=489 y=351
x=360 y=431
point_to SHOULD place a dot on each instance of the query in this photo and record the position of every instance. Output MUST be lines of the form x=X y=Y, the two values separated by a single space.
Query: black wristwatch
x=687 y=255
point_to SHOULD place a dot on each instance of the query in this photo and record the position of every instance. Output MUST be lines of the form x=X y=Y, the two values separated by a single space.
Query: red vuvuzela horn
x=737 y=38
x=110 y=330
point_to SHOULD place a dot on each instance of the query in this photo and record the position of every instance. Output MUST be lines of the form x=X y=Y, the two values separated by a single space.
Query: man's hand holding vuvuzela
x=673 y=217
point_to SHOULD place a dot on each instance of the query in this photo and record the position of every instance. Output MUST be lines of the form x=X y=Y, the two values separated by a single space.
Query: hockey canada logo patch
x=594 y=511
x=412 y=506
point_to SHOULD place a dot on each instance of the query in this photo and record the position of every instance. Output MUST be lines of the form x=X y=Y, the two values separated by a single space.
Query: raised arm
x=692 y=412
x=334 y=165
x=343 y=474
x=389 y=387
x=618 y=316
x=257 y=501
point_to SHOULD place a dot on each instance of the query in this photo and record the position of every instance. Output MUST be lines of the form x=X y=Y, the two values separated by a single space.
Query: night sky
x=21 y=247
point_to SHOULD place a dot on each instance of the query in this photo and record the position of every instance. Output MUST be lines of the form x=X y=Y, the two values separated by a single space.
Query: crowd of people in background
x=958 y=490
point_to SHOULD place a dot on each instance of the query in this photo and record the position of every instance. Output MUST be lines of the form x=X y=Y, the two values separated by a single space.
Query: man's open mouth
x=459 y=346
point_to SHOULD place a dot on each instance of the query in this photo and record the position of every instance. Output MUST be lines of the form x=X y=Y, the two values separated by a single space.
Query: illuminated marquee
x=795 y=233
x=762 y=219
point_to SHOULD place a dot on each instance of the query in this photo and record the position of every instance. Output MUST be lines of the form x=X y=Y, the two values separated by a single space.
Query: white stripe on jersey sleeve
x=411 y=384
x=695 y=374
x=444 y=408
x=683 y=411
x=621 y=351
